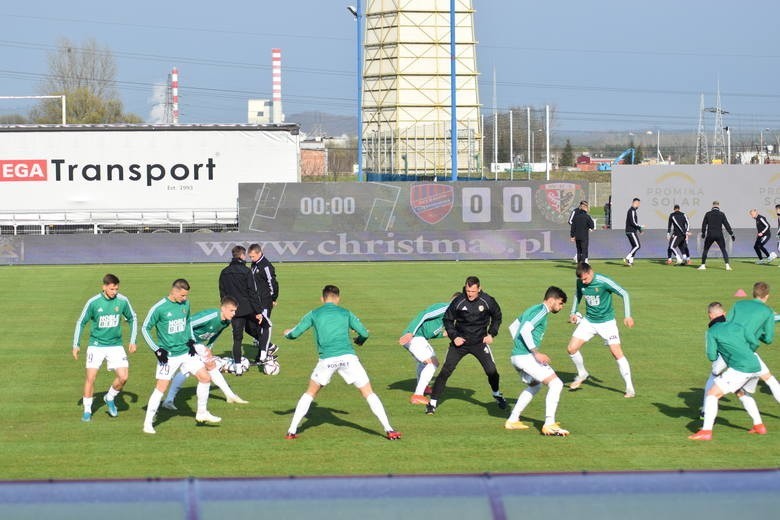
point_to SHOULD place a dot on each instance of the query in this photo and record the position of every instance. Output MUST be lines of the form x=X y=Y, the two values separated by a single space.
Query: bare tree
x=73 y=67
x=86 y=75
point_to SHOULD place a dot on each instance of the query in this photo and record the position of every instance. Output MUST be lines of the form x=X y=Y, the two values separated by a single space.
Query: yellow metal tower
x=406 y=88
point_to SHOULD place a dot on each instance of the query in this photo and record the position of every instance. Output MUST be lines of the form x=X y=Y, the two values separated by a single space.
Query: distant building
x=314 y=158
x=259 y=111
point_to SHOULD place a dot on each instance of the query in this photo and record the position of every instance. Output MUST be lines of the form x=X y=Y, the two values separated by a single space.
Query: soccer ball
x=223 y=364
x=238 y=368
x=271 y=367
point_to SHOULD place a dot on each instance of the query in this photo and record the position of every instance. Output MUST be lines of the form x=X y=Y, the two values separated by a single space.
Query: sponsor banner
x=738 y=188
x=407 y=206
x=342 y=246
x=139 y=168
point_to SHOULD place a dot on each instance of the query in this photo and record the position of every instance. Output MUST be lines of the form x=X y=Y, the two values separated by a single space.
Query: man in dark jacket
x=471 y=321
x=581 y=226
x=712 y=231
x=677 y=231
x=267 y=288
x=633 y=229
x=236 y=281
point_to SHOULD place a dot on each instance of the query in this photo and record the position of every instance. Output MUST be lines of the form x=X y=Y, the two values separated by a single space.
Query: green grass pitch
x=43 y=437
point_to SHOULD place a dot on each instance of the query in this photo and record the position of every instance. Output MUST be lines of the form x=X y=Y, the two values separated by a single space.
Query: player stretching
x=331 y=330
x=104 y=312
x=207 y=326
x=533 y=366
x=427 y=325
x=730 y=341
x=597 y=290
x=758 y=319
x=170 y=318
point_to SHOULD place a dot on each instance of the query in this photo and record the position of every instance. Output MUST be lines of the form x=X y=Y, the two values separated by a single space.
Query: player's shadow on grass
x=121 y=402
x=692 y=402
x=454 y=392
x=591 y=381
x=319 y=415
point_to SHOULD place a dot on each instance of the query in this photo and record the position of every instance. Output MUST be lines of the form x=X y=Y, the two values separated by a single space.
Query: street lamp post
x=357 y=12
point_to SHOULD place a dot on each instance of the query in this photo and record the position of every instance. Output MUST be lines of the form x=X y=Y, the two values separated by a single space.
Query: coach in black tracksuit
x=763 y=233
x=267 y=288
x=581 y=226
x=236 y=280
x=632 y=231
x=677 y=231
x=471 y=321
x=712 y=231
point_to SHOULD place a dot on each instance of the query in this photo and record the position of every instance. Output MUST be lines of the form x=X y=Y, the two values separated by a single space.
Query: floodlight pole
x=453 y=99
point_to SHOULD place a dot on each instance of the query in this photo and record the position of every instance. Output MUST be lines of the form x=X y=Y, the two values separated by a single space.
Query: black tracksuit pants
x=247 y=323
x=454 y=354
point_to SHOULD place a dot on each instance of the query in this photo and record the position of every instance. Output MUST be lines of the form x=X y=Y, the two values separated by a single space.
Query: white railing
x=103 y=221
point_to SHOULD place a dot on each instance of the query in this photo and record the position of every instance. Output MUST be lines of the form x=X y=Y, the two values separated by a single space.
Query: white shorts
x=188 y=365
x=719 y=366
x=732 y=380
x=420 y=349
x=530 y=369
x=115 y=357
x=348 y=366
x=607 y=330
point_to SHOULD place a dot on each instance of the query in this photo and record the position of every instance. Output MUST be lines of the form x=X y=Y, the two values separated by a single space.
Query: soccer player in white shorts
x=332 y=325
x=104 y=313
x=729 y=341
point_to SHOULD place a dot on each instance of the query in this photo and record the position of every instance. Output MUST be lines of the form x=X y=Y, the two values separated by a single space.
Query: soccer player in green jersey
x=533 y=366
x=207 y=326
x=332 y=325
x=104 y=312
x=170 y=319
x=427 y=325
x=597 y=291
x=759 y=321
x=730 y=341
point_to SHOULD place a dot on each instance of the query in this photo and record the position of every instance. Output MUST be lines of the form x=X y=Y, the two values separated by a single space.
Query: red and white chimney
x=175 y=95
x=277 y=116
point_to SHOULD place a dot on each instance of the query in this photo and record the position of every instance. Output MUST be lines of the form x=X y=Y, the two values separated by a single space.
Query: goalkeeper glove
x=191 y=347
x=162 y=356
x=733 y=238
x=359 y=340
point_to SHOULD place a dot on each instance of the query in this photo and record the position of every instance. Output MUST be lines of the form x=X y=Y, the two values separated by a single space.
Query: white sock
x=88 y=404
x=178 y=380
x=433 y=402
x=523 y=400
x=376 y=406
x=625 y=371
x=710 y=412
x=424 y=377
x=751 y=408
x=111 y=393
x=151 y=407
x=551 y=402
x=218 y=379
x=774 y=386
x=707 y=386
x=301 y=409
x=579 y=363
x=202 y=393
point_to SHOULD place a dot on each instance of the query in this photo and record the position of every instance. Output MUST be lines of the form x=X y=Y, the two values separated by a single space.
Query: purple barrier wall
x=652 y=495
x=340 y=247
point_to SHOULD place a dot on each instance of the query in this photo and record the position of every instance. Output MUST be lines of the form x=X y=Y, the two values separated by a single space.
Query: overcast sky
x=602 y=64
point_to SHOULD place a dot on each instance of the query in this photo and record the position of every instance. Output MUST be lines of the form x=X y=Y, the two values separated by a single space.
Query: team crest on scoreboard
x=432 y=203
x=556 y=200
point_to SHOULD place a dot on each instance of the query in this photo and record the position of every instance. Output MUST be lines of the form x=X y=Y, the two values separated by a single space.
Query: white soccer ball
x=271 y=367
x=223 y=364
x=238 y=368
